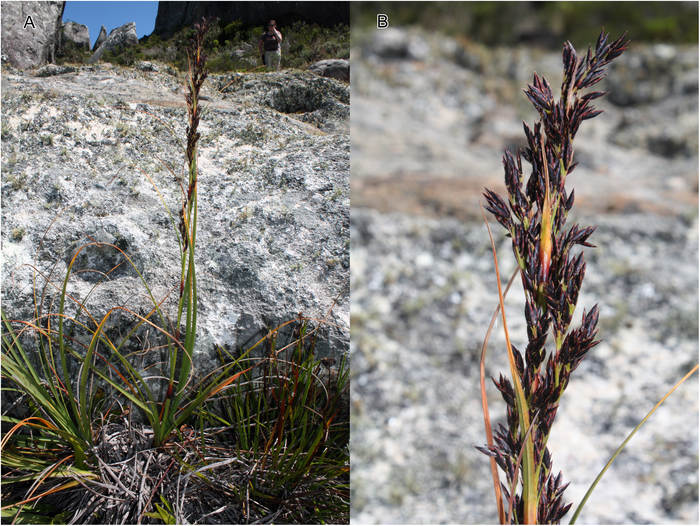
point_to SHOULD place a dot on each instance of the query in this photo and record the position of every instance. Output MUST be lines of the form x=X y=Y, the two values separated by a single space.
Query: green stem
x=530 y=497
x=189 y=295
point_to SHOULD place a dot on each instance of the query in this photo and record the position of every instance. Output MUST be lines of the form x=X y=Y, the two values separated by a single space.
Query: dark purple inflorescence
x=198 y=74
x=534 y=218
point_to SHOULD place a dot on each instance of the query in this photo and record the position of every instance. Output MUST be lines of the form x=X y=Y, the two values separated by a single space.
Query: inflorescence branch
x=534 y=218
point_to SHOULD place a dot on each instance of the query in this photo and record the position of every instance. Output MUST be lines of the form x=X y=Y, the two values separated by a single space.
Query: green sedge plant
x=81 y=378
x=64 y=411
x=534 y=217
x=288 y=423
x=164 y=415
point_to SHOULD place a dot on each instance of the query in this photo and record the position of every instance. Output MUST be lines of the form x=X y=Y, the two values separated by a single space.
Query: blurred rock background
x=436 y=97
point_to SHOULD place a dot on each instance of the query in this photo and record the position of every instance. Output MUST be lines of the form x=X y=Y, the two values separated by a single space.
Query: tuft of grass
x=336 y=194
x=289 y=422
x=5 y=132
x=18 y=234
x=19 y=181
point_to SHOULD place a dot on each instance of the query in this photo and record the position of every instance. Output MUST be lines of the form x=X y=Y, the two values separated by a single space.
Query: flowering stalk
x=188 y=219
x=535 y=219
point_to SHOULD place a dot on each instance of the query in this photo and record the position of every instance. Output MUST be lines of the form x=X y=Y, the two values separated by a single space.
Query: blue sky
x=112 y=15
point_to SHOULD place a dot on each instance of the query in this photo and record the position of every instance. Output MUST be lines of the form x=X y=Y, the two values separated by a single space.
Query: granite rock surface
x=119 y=38
x=76 y=33
x=332 y=68
x=31 y=32
x=100 y=38
x=96 y=154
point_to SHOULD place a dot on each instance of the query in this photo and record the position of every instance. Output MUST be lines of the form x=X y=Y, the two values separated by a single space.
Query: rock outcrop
x=118 y=38
x=31 y=32
x=332 y=68
x=174 y=15
x=273 y=187
x=79 y=34
x=100 y=39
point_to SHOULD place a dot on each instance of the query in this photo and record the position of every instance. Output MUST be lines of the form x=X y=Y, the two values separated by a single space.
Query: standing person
x=272 y=40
